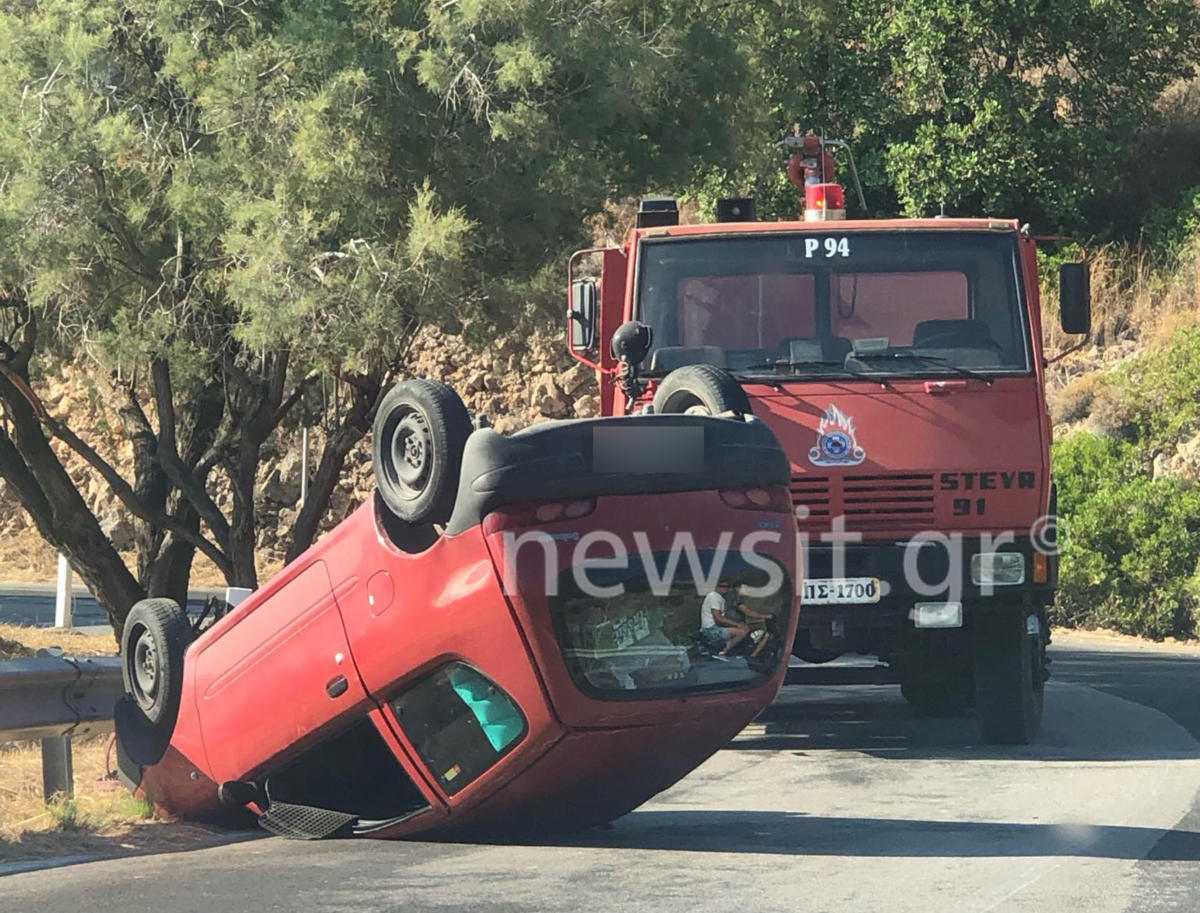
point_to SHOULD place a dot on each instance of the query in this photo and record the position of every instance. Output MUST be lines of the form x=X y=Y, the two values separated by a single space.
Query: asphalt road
x=837 y=799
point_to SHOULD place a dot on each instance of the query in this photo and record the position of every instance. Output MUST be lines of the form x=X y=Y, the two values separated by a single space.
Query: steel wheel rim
x=411 y=454
x=144 y=669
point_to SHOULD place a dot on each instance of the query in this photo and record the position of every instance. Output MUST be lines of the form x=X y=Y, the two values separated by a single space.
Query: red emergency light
x=824 y=202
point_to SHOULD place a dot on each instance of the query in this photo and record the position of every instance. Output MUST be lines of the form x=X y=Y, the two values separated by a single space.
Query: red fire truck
x=900 y=364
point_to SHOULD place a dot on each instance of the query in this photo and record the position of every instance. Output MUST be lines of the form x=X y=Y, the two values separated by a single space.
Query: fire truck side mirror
x=1075 y=298
x=582 y=317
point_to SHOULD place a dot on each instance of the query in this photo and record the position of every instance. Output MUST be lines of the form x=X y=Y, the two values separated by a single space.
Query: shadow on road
x=794 y=834
x=876 y=721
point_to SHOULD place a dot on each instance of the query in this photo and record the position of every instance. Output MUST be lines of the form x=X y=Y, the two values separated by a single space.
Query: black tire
x=802 y=648
x=419 y=434
x=153 y=642
x=703 y=389
x=1010 y=679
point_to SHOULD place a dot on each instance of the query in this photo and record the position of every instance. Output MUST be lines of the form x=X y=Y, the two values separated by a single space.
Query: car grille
x=866 y=501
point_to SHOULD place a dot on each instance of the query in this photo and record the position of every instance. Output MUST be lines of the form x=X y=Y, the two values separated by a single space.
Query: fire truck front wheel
x=702 y=389
x=417 y=445
x=1009 y=652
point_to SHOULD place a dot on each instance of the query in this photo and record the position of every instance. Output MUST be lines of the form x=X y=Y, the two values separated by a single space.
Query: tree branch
x=125 y=494
x=116 y=227
x=168 y=456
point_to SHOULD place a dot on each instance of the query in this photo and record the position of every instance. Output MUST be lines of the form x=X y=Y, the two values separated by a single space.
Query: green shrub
x=1130 y=558
x=1156 y=393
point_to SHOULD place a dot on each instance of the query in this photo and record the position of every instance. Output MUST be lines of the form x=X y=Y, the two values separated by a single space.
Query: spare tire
x=416 y=451
x=153 y=641
x=701 y=389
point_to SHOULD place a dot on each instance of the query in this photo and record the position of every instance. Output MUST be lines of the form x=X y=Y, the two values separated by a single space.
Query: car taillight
x=773 y=499
x=532 y=515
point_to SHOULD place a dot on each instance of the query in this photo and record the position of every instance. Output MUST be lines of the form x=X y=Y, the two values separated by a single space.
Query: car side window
x=460 y=722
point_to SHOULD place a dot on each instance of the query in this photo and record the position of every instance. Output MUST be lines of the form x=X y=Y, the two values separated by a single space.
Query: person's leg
x=736 y=636
x=762 y=642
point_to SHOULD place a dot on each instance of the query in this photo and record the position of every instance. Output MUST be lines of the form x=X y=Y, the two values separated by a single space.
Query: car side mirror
x=582 y=315
x=1075 y=298
x=631 y=342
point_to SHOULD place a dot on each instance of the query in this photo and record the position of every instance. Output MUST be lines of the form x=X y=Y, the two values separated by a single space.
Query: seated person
x=756 y=622
x=716 y=626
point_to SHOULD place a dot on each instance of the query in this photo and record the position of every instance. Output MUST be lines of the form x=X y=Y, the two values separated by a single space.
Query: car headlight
x=998 y=569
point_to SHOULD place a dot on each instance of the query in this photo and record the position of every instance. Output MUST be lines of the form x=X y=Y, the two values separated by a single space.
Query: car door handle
x=337 y=687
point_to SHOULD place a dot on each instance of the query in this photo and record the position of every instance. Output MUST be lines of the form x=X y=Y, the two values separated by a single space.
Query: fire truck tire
x=1010 y=677
x=153 y=641
x=701 y=389
x=419 y=434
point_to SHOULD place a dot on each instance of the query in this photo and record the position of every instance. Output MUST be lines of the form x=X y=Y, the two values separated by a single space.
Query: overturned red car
x=507 y=635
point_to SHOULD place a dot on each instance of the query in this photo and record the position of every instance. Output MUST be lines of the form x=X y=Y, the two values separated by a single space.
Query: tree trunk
x=243 y=477
x=329 y=470
x=172 y=569
x=62 y=517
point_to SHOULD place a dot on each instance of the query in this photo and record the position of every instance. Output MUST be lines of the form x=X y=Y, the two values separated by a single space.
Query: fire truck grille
x=812 y=494
x=896 y=497
x=864 y=501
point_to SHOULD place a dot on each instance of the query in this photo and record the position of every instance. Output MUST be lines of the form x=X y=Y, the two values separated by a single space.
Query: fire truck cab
x=900 y=364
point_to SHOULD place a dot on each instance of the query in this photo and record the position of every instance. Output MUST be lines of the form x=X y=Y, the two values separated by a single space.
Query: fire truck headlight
x=998 y=569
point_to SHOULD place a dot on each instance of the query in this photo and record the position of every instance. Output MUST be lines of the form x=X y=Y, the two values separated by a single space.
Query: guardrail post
x=304 y=466
x=62 y=600
x=57 y=773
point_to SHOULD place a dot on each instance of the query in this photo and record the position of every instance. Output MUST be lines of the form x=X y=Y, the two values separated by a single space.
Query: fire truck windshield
x=850 y=303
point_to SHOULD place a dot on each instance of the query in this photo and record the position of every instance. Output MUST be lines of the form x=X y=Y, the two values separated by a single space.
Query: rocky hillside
x=515 y=383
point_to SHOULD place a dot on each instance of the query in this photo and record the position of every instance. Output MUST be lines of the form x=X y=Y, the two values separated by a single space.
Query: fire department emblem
x=836 y=441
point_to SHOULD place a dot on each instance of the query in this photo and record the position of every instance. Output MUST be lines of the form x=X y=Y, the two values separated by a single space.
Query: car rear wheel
x=420 y=431
x=153 y=642
x=701 y=389
x=1010 y=678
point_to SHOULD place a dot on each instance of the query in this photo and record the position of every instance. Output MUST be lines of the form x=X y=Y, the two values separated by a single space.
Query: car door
x=277 y=672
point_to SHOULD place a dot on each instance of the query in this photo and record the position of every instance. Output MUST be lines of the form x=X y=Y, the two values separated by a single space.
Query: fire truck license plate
x=841 y=591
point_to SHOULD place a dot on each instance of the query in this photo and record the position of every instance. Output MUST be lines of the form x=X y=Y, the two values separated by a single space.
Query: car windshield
x=898 y=303
x=636 y=632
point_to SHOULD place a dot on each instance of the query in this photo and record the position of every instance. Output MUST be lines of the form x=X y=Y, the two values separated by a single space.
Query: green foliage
x=1130 y=561
x=1173 y=230
x=1046 y=112
x=1154 y=394
x=325 y=175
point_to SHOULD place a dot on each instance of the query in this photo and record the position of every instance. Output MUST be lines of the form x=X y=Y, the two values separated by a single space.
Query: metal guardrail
x=53 y=699
x=46 y=696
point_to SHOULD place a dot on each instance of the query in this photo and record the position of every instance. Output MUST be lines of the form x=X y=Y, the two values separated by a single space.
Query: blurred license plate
x=841 y=591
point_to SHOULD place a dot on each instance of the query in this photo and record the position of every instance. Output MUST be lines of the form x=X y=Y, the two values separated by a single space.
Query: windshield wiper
x=788 y=365
x=936 y=359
